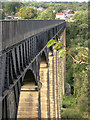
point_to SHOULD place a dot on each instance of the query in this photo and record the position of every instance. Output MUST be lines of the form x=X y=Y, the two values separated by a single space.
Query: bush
x=69 y=107
x=70 y=113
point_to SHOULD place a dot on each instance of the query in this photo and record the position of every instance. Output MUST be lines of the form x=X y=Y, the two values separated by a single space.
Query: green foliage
x=70 y=114
x=80 y=53
x=62 y=53
x=76 y=71
x=69 y=107
x=77 y=41
x=48 y=14
x=68 y=101
x=2 y=15
x=42 y=16
x=59 y=6
x=51 y=42
x=11 y=8
x=82 y=90
x=27 y=13
x=57 y=46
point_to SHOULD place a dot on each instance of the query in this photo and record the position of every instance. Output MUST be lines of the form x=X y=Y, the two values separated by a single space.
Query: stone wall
x=53 y=79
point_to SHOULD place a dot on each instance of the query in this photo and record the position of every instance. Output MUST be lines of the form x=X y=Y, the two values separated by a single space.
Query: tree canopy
x=11 y=8
x=48 y=14
x=77 y=62
x=27 y=13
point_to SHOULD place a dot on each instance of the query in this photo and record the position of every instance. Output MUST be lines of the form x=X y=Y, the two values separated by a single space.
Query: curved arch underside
x=44 y=61
x=29 y=77
x=28 y=101
x=51 y=51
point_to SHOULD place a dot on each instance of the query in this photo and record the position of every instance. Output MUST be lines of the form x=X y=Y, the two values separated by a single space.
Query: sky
x=65 y=0
x=62 y=0
x=53 y=0
x=47 y=0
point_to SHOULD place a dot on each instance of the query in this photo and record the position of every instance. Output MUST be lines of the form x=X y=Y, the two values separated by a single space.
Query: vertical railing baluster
x=35 y=46
x=14 y=62
x=29 y=51
x=23 y=54
x=26 y=52
x=10 y=69
x=2 y=72
x=31 y=48
x=21 y=58
x=6 y=84
x=13 y=66
x=17 y=61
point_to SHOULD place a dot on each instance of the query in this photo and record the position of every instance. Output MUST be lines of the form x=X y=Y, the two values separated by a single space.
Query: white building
x=60 y=16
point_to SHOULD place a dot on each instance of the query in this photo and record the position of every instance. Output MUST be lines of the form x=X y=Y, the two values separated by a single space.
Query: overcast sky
x=65 y=0
x=49 y=0
x=62 y=0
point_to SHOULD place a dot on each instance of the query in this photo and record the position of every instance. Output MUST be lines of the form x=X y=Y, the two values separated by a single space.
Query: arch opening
x=51 y=51
x=29 y=79
x=43 y=62
x=28 y=100
x=44 y=90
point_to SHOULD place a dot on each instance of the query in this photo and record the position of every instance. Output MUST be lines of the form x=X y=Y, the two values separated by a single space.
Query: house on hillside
x=69 y=15
x=41 y=9
x=70 y=11
x=65 y=14
x=60 y=16
x=33 y=7
x=11 y=17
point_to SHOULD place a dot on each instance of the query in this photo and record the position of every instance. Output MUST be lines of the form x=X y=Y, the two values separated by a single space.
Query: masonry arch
x=51 y=51
x=43 y=62
x=44 y=90
x=28 y=100
x=29 y=77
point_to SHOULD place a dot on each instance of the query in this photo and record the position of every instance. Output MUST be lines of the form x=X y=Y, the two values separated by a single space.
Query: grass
x=69 y=107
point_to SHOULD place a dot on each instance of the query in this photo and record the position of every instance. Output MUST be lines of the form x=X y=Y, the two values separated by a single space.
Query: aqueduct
x=31 y=75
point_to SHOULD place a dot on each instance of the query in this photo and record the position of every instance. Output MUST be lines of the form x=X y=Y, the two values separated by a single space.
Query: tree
x=2 y=15
x=77 y=71
x=11 y=8
x=27 y=13
x=43 y=16
x=48 y=14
